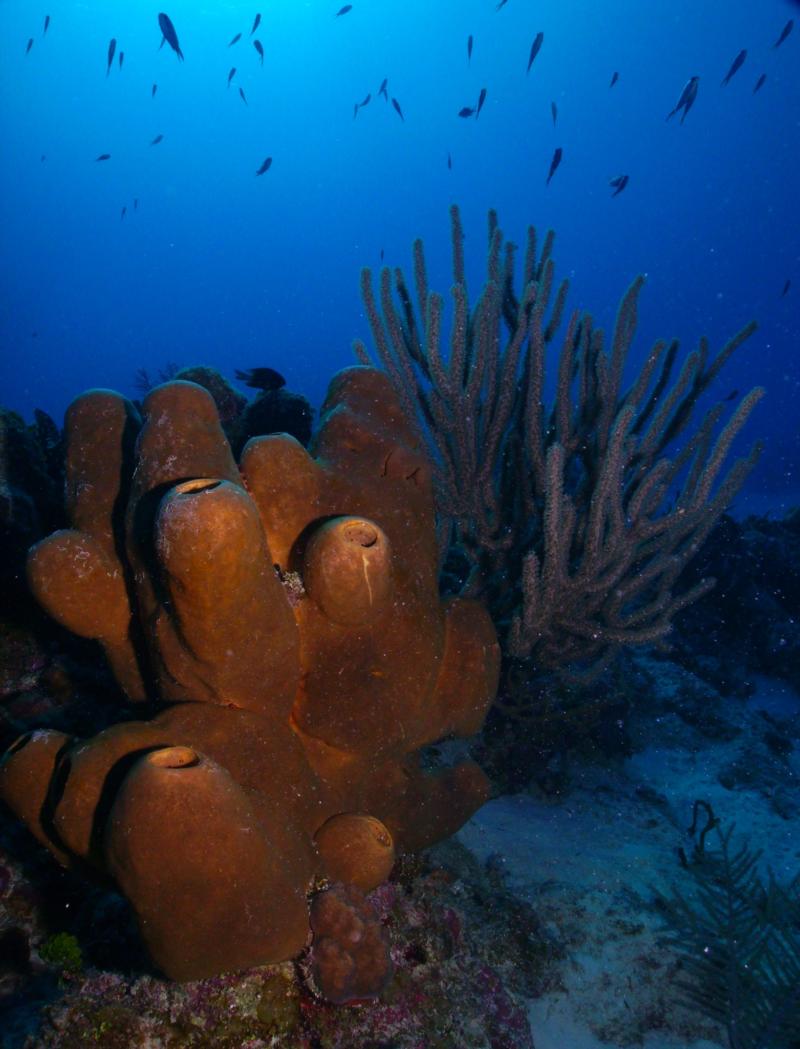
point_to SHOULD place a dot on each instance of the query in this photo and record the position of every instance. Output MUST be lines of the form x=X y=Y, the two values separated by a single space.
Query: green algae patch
x=63 y=951
x=278 y=1008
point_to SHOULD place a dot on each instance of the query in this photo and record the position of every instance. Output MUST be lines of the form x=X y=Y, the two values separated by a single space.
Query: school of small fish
x=686 y=99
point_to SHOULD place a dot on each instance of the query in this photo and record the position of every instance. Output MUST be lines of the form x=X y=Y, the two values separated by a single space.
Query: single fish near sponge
x=360 y=105
x=618 y=184
x=535 y=48
x=784 y=33
x=557 y=155
x=736 y=65
x=261 y=378
x=687 y=99
x=168 y=33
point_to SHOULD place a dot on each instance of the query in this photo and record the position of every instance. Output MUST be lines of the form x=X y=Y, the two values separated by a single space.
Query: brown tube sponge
x=75 y=580
x=347 y=570
x=265 y=465
x=88 y=771
x=225 y=600
x=100 y=429
x=287 y=746
x=26 y=772
x=211 y=892
x=356 y=849
x=181 y=437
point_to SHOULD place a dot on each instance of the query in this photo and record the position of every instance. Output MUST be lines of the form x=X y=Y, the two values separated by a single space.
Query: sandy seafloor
x=590 y=861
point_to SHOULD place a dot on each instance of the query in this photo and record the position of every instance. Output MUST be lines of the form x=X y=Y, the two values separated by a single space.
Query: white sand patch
x=589 y=863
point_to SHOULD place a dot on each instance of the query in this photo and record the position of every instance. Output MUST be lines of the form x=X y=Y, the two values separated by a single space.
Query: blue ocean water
x=142 y=227
x=215 y=265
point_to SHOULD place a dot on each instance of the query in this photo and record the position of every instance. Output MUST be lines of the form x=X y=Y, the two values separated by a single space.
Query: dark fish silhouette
x=614 y=78
x=736 y=65
x=235 y=40
x=112 y=47
x=258 y=46
x=29 y=46
x=261 y=378
x=153 y=90
x=157 y=139
x=344 y=10
x=168 y=33
x=398 y=110
x=383 y=89
x=121 y=58
x=686 y=101
x=501 y=4
x=469 y=48
x=449 y=162
x=103 y=156
x=554 y=163
x=231 y=75
x=42 y=158
x=731 y=396
x=619 y=183
x=786 y=287
x=536 y=47
x=256 y=24
x=135 y=203
x=265 y=166
x=359 y=105
x=784 y=33
x=760 y=82
x=381 y=254
x=554 y=112
x=242 y=95
x=123 y=213
x=481 y=100
x=46 y=24
x=466 y=111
